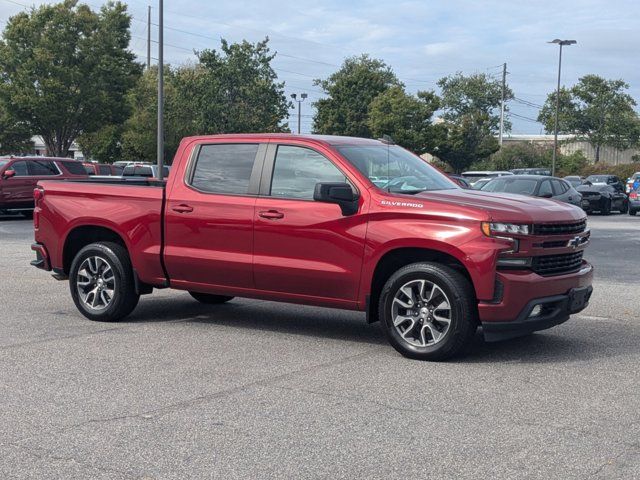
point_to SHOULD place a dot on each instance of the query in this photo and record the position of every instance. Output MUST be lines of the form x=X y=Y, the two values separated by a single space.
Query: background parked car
x=603 y=198
x=459 y=179
x=574 y=180
x=634 y=201
x=633 y=182
x=478 y=184
x=103 y=169
x=606 y=179
x=475 y=175
x=19 y=176
x=531 y=171
x=140 y=170
x=535 y=186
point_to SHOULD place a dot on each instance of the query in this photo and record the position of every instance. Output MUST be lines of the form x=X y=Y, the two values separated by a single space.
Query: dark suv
x=19 y=176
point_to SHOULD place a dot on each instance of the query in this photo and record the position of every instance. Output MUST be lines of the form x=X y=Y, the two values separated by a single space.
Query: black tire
x=210 y=299
x=124 y=298
x=632 y=212
x=606 y=210
x=28 y=214
x=625 y=207
x=463 y=311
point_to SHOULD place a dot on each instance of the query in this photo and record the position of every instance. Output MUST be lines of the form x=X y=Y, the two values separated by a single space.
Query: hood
x=508 y=207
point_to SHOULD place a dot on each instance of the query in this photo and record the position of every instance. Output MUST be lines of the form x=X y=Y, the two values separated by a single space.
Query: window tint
x=104 y=170
x=523 y=186
x=559 y=187
x=75 y=168
x=224 y=168
x=297 y=170
x=545 y=188
x=20 y=168
x=41 y=168
x=89 y=169
x=118 y=169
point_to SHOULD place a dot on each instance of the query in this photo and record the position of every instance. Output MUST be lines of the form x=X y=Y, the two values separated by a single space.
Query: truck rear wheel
x=209 y=298
x=101 y=282
x=428 y=311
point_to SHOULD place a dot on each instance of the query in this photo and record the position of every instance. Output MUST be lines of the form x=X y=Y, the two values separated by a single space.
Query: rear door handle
x=271 y=214
x=182 y=208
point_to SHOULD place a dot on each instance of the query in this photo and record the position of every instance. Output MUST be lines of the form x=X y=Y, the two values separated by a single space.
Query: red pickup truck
x=320 y=220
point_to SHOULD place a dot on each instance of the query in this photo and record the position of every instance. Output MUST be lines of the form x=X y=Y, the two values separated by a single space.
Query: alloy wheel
x=421 y=313
x=96 y=283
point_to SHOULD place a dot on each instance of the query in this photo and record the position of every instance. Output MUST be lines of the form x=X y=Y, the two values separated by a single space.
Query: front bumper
x=520 y=291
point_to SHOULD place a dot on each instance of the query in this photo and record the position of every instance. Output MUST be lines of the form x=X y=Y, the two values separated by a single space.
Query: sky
x=421 y=40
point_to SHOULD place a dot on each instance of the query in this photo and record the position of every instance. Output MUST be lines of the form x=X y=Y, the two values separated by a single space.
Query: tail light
x=633 y=196
x=38 y=196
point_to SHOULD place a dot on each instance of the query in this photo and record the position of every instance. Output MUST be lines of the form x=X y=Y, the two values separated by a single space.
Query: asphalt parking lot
x=254 y=389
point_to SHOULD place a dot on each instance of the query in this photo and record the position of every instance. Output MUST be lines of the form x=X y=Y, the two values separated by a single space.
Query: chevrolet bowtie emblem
x=575 y=242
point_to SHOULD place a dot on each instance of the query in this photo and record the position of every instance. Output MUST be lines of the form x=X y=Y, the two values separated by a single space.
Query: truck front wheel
x=428 y=311
x=101 y=282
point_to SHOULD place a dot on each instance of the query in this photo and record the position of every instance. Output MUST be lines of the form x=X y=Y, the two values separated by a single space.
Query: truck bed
x=130 y=207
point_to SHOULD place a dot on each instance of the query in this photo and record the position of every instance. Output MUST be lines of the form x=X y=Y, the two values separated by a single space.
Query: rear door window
x=224 y=168
x=43 y=168
x=545 y=188
x=104 y=170
x=74 y=168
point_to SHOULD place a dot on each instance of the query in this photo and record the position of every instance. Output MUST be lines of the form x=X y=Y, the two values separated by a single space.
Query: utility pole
x=303 y=97
x=504 y=85
x=555 y=123
x=160 y=153
x=148 y=37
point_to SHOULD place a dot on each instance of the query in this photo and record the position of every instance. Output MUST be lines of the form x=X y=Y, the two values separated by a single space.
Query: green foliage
x=469 y=95
x=471 y=114
x=350 y=92
x=66 y=70
x=406 y=118
x=15 y=137
x=466 y=142
x=623 y=171
x=231 y=91
x=104 y=145
x=598 y=110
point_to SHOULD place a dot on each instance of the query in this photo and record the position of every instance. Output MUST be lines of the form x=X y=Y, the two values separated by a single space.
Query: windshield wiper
x=408 y=192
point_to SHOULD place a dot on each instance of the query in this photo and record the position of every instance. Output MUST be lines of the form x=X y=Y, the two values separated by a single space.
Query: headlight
x=491 y=229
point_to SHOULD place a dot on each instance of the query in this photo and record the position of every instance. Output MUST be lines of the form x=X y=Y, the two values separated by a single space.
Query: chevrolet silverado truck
x=296 y=218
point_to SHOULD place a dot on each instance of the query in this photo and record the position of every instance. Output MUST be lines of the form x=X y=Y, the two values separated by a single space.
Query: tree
x=350 y=92
x=236 y=90
x=465 y=142
x=406 y=118
x=105 y=145
x=66 y=70
x=471 y=118
x=231 y=91
x=15 y=137
x=596 y=109
x=473 y=95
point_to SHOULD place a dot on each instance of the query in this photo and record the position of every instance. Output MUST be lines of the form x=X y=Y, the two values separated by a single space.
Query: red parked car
x=297 y=219
x=20 y=175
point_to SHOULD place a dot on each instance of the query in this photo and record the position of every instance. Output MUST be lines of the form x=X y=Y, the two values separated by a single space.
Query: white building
x=40 y=149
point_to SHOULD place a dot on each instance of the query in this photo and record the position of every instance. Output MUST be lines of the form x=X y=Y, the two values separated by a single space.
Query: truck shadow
x=559 y=345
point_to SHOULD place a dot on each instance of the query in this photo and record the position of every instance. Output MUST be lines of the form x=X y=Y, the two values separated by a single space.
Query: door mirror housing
x=546 y=195
x=339 y=193
x=8 y=174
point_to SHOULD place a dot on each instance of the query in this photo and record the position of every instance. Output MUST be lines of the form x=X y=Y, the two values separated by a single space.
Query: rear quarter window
x=74 y=168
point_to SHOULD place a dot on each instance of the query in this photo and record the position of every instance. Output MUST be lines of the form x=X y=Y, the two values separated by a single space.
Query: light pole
x=303 y=97
x=160 y=147
x=562 y=43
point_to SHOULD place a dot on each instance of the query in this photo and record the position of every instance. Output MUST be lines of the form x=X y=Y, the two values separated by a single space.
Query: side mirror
x=8 y=174
x=546 y=195
x=339 y=193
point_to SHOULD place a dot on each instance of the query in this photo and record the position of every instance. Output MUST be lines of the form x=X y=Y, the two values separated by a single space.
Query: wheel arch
x=83 y=235
x=397 y=257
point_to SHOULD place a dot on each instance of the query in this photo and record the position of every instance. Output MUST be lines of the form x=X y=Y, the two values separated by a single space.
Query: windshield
x=524 y=186
x=395 y=169
x=597 y=178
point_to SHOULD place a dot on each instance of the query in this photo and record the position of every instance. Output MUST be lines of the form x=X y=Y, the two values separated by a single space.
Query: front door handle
x=182 y=208
x=271 y=214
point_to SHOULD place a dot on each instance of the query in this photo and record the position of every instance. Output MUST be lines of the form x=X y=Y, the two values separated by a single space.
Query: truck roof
x=324 y=139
